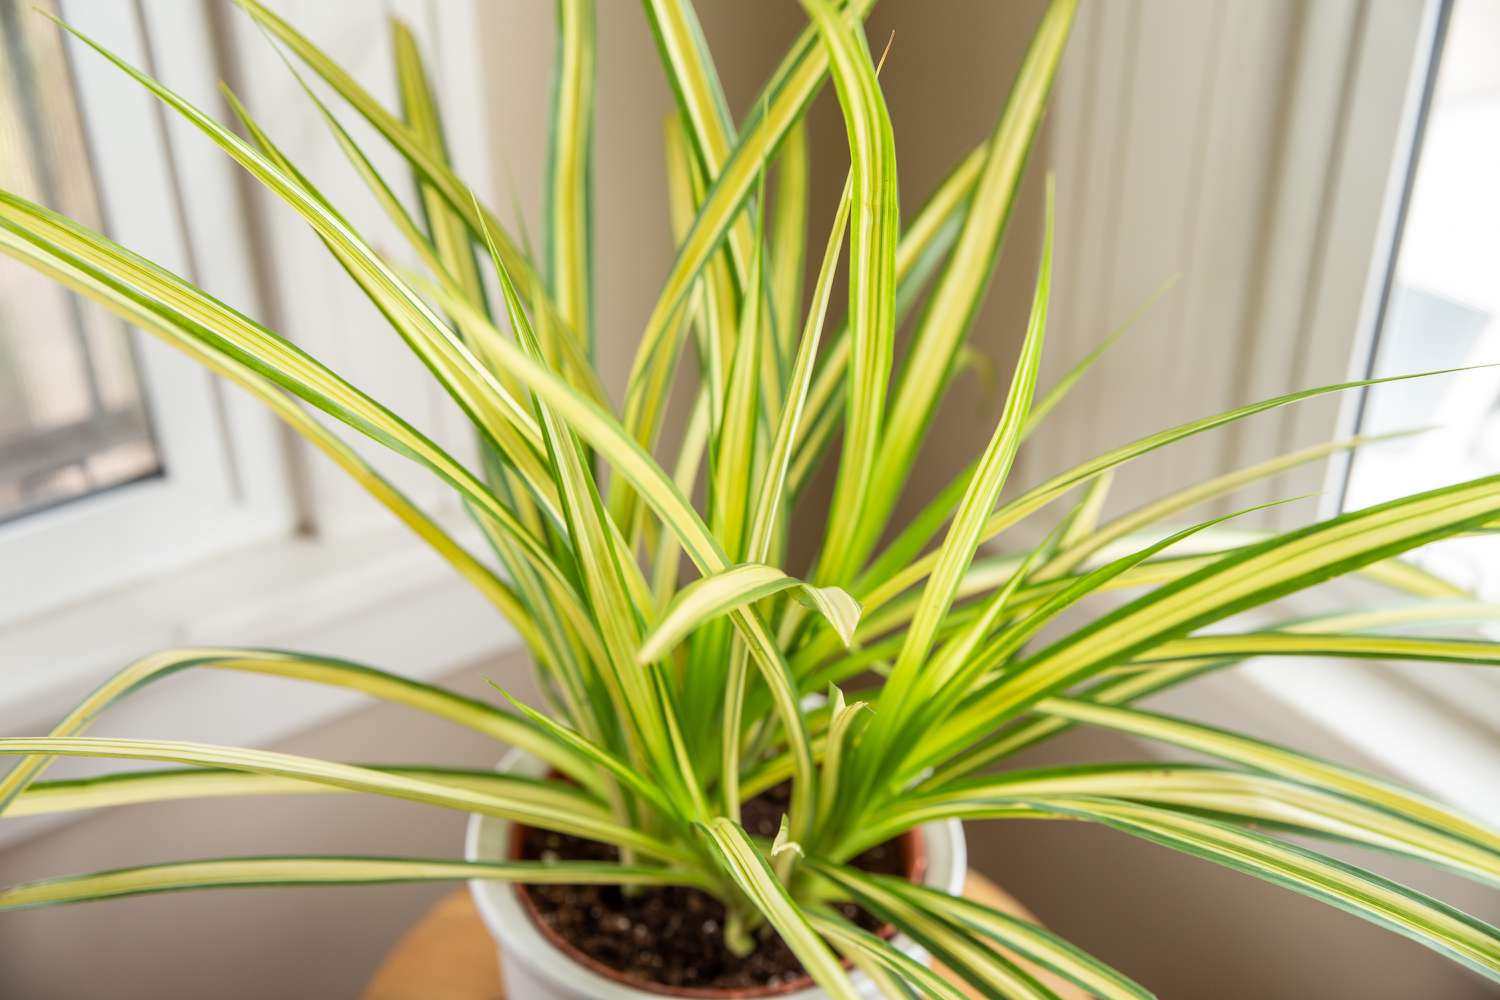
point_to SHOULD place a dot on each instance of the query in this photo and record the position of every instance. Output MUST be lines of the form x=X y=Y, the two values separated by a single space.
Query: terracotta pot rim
x=913 y=852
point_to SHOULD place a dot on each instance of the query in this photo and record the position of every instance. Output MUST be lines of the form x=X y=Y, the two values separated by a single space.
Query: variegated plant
x=678 y=694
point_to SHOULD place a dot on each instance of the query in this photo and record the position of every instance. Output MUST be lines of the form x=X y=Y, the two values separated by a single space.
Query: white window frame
x=223 y=484
x=292 y=555
x=1183 y=134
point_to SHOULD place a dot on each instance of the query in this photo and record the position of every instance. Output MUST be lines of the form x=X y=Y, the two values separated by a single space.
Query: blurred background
x=1315 y=182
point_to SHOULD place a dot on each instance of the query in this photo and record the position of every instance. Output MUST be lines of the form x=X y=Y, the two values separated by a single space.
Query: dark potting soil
x=673 y=935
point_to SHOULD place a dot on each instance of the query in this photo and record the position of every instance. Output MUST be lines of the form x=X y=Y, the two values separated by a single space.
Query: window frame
x=224 y=482
x=1300 y=121
x=1374 y=102
x=327 y=571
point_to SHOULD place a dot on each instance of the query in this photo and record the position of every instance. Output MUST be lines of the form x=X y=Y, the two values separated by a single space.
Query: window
x=119 y=459
x=73 y=418
x=1442 y=304
x=221 y=530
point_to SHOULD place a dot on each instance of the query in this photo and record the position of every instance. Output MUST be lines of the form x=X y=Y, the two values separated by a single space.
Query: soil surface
x=674 y=936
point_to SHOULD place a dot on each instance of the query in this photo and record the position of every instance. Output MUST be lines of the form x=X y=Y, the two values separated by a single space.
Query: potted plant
x=748 y=781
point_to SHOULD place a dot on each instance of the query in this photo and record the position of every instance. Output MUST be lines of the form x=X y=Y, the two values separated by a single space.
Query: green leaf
x=876 y=956
x=1282 y=762
x=616 y=591
x=734 y=452
x=240 y=873
x=1287 y=801
x=220 y=330
x=789 y=234
x=389 y=687
x=924 y=242
x=778 y=108
x=635 y=465
x=449 y=235
x=770 y=502
x=784 y=844
x=956 y=945
x=403 y=138
x=1055 y=395
x=959 y=291
x=1077 y=551
x=549 y=805
x=915 y=536
x=1127 y=686
x=570 y=155
x=1021 y=936
x=1447 y=931
x=753 y=876
x=689 y=66
x=874 y=228
x=1367 y=647
x=736 y=587
x=471 y=385
x=622 y=771
x=1244 y=578
x=127 y=788
x=49 y=260
x=895 y=703
x=841 y=732
x=899 y=567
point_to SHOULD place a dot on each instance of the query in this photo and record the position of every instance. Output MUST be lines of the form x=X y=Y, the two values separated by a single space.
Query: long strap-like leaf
x=126 y=788
x=63 y=269
x=898 y=566
x=960 y=289
x=1243 y=579
x=406 y=141
x=243 y=873
x=956 y=945
x=887 y=965
x=220 y=329
x=873 y=233
x=1304 y=799
x=1125 y=687
x=1477 y=652
x=752 y=874
x=711 y=596
x=896 y=702
x=570 y=155
x=389 y=687
x=549 y=805
x=780 y=106
x=1022 y=936
x=1403 y=910
x=690 y=70
x=1280 y=761
x=925 y=241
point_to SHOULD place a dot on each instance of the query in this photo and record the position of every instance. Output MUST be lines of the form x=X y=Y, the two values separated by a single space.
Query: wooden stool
x=449 y=954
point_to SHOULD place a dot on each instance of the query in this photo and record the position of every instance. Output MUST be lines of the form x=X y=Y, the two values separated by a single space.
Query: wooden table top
x=449 y=954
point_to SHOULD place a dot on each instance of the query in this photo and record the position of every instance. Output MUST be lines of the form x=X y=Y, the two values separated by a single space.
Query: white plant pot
x=535 y=969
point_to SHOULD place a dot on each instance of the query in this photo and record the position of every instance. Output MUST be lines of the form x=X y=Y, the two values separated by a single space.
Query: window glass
x=73 y=419
x=1443 y=310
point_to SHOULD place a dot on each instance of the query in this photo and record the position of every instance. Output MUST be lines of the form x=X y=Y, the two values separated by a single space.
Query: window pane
x=73 y=420
x=1445 y=300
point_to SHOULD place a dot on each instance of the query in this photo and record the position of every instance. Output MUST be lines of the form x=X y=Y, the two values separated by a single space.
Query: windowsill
x=1433 y=727
x=381 y=598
